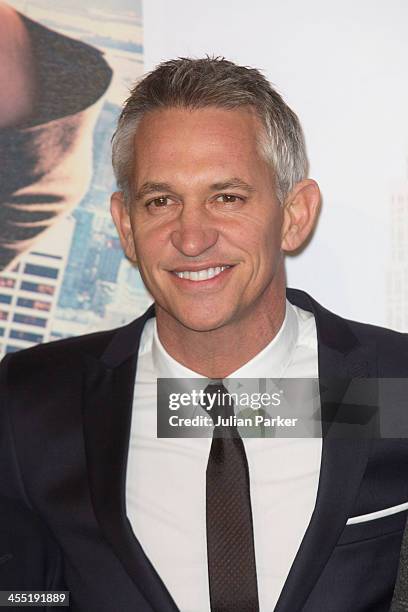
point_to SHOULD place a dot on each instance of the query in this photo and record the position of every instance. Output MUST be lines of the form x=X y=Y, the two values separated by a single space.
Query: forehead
x=177 y=139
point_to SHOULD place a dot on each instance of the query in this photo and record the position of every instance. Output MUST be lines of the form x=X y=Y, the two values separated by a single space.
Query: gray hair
x=213 y=81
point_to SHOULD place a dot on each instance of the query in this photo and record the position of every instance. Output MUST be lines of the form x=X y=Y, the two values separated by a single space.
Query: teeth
x=201 y=274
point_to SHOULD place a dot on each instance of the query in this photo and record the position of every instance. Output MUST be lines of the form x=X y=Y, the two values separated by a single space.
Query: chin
x=202 y=323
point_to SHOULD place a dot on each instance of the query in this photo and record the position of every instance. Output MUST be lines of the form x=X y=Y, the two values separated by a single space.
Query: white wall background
x=343 y=67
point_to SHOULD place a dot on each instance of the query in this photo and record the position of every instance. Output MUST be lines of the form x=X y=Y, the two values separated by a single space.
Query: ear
x=121 y=218
x=300 y=212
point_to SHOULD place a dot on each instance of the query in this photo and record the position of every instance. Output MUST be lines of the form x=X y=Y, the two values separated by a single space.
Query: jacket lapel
x=107 y=420
x=343 y=461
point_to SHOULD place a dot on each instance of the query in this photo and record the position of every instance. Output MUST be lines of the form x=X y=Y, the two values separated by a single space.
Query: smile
x=201 y=275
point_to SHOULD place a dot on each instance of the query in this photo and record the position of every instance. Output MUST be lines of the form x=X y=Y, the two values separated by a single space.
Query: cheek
x=151 y=248
x=260 y=241
x=266 y=254
x=148 y=243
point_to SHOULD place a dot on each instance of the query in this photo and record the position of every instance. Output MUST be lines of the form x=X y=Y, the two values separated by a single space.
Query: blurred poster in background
x=65 y=69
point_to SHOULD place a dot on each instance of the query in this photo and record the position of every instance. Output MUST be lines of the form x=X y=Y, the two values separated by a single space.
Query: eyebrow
x=232 y=183
x=151 y=187
x=155 y=187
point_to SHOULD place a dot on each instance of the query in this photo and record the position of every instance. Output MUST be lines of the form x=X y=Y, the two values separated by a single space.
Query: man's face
x=204 y=224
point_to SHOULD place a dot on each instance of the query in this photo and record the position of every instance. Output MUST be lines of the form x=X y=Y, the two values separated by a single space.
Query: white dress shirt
x=166 y=478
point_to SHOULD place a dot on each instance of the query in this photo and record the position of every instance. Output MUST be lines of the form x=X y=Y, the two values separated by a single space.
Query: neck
x=219 y=352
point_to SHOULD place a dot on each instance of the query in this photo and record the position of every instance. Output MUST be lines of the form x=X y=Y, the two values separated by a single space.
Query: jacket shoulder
x=388 y=346
x=66 y=351
x=382 y=335
x=66 y=359
x=391 y=348
x=60 y=359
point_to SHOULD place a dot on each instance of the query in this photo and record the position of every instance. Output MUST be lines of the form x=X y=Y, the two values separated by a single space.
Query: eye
x=160 y=203
x=227 y=197
x=230 y=199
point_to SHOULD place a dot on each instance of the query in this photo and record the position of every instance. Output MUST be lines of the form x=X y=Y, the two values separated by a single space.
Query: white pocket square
x=379 y=514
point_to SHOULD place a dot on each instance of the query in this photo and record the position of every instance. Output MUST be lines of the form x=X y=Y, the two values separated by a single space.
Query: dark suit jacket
x=65 y=423
x=30 y=559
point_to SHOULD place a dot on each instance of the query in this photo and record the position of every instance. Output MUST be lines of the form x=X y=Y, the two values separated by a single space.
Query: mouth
x=204 y=274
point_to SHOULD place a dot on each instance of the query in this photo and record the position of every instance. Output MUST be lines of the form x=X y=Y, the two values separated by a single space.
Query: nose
x=195 y=232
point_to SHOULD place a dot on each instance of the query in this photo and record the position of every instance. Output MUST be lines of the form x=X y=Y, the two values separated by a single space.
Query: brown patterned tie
x=230 y=540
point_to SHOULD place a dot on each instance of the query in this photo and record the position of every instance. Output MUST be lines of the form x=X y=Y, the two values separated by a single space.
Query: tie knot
x=218 y=402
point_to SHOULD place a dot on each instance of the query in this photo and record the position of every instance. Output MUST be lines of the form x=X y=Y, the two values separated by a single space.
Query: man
x=213 y=191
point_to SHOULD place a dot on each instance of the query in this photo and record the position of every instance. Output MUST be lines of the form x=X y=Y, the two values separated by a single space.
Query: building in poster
x=29 y=292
